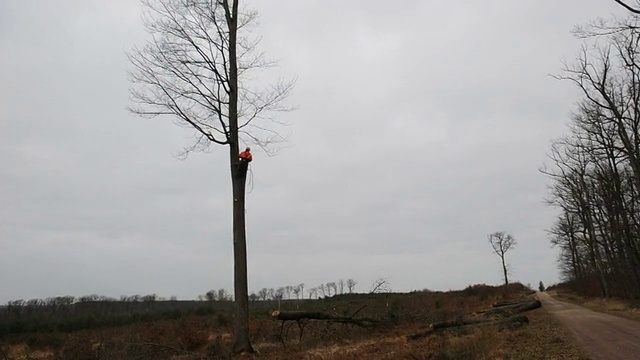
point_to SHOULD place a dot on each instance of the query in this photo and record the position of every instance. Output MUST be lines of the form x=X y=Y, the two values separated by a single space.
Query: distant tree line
x=297 y=292
x=595 y=169
x=68 y=313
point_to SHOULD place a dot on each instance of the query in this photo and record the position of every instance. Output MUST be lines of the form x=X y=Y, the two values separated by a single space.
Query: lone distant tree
x=501 y=243
x=196 y=69
x=541 y=286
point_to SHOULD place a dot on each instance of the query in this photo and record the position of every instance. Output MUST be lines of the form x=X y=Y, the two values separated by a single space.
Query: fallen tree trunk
x=313 y=315
x=458 y=323
x=303 y=317
x=300 y=315
x=513 y=309
x=510 y=309
x=506 y=303
x=510 y=322
x=513 y=320
x=529 y=306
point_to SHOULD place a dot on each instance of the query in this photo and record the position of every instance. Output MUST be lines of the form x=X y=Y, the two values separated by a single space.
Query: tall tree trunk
x=241 y=342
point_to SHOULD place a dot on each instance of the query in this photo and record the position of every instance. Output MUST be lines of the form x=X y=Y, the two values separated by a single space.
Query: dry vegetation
x=400 y=315
x=629 y=309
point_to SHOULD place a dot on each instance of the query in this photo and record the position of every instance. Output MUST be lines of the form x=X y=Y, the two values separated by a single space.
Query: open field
x=399 y=317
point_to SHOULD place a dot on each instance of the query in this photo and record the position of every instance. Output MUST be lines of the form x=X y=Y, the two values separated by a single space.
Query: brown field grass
x=209 y=337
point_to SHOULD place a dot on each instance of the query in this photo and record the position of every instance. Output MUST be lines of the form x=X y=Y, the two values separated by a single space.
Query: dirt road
x=602 y=336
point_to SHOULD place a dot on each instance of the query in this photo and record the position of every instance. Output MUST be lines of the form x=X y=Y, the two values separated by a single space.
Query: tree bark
x=241 y=342
x=504 y=271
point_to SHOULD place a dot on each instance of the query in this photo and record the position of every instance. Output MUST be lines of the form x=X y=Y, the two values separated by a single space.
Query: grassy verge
x=617 y=307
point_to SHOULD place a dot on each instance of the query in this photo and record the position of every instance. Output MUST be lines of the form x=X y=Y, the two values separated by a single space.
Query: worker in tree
x=245 y=158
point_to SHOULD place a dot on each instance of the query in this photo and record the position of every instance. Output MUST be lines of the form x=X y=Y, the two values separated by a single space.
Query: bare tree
x=341 y=284
x=323 y=290
x=351 y=285
x=332 y=286
x=380 y=285
x=223 y=295
x=263 y=294
x=313 y=293
x=196 y=69
x=287 y=291
x=596 y=168
x=501 y=243
x=298 y=290
x=279 y=294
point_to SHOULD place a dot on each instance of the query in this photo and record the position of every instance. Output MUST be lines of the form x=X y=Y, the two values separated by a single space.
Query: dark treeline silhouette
x=595 y=170
x=68 y=314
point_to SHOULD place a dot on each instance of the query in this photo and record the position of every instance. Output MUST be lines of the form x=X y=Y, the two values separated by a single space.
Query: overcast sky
x=420 y=129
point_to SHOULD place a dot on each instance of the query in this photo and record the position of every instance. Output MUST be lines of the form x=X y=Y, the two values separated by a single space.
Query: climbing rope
x=250 y=180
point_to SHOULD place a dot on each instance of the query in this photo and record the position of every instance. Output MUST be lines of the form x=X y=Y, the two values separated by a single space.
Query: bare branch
x=623 y=4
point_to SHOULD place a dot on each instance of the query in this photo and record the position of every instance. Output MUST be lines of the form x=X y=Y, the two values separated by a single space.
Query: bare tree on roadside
x=502 y=242
x=196 y=69
x=595 y=169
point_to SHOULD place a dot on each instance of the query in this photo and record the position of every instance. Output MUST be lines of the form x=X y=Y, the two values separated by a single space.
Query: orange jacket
x=246 y=155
